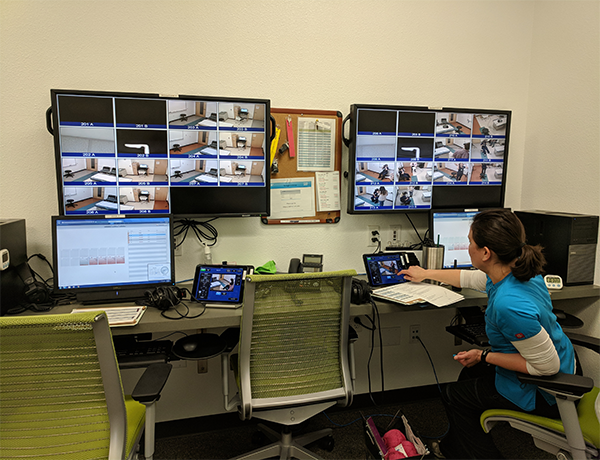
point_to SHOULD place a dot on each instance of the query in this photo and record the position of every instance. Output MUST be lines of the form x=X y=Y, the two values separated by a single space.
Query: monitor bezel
x=114 y=293
x=473 y=198
x=186 y=205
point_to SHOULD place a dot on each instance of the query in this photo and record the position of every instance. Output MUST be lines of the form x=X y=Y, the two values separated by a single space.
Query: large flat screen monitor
x=112 y=258
x=418 y=158
x=131 y=153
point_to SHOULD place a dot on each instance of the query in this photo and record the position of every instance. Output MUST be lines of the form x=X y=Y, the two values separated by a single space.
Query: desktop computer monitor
x=112 y=258
x=451 y=229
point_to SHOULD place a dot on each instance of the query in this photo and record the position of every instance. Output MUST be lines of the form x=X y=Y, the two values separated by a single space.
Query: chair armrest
x=567 y=384
x=593 y=343
x=151 y=383
x=352 y=334
x=232 y=337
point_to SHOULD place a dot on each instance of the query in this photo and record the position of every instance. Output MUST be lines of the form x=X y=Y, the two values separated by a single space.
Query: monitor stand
x=111 y=296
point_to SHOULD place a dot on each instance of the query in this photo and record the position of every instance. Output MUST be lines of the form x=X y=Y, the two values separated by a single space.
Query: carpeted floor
x=225 y=436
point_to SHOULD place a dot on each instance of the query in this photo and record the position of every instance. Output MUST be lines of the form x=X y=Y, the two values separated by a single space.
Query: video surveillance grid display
x=121 y=153
x=405 y=159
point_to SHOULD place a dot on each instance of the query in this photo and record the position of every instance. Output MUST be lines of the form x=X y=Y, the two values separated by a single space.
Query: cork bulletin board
x=306 y=165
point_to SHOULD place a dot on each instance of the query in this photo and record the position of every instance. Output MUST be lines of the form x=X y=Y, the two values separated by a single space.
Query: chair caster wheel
x=327 y=443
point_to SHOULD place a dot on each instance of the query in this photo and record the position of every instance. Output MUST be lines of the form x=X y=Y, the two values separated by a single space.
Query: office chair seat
x=549 y=434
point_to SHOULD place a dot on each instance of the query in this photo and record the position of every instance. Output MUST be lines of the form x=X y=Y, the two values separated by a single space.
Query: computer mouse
x=190 y=346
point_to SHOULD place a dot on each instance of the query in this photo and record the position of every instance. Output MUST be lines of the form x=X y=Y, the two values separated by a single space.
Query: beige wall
x=539 y=59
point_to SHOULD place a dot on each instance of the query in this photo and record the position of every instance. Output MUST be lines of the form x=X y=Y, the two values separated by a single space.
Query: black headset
x=163 y=298
x=361 y=292
x=35 y=291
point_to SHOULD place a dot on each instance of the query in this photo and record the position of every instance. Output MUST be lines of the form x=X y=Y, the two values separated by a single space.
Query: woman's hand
x=468 y=358
x=414 y=273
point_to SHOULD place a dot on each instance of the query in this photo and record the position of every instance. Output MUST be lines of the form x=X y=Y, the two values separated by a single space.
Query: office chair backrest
x=60 y=388
x=294 y=340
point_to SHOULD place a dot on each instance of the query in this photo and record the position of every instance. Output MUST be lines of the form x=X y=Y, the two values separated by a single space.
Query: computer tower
x=569 y=241
x=14 y=241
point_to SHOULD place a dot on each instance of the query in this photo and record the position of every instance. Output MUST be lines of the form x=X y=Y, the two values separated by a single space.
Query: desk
x=214 y=318
x=396 y=319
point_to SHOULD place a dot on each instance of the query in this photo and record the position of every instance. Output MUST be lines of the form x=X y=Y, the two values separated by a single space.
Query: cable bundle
x=204 y=231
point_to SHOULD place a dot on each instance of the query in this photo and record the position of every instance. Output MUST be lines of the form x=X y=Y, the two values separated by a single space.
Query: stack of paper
x=118 y=316
x=411 y=293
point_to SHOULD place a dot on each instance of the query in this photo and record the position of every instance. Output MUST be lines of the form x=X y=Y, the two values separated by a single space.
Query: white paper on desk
x=328 y=191
x=294 y=197
x=434 y=294
x=316 y=144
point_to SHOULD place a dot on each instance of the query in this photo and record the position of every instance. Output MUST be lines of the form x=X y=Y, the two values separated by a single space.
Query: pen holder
x=433 y=258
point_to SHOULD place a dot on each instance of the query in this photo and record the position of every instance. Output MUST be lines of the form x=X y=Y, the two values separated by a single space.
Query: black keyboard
x=471 y=333
x=142 y=354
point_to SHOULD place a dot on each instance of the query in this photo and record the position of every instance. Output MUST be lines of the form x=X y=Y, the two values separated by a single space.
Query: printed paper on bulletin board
x=305 y=174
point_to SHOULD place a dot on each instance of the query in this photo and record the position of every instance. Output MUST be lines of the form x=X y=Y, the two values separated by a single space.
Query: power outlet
x=373 y=233
x=413 y=336
x=396 y=234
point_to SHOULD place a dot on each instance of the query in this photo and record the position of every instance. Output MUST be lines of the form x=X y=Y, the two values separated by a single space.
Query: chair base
x=285 y=446
x=547 y=440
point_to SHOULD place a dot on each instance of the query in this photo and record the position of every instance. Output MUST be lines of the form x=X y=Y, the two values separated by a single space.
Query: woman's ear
x=487 y=254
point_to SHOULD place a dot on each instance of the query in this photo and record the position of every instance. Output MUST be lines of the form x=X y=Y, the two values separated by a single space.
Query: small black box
x=569 y=241
x=14 y=240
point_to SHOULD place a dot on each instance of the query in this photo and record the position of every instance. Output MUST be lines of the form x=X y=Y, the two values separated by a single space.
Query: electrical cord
x=425 y=241
x=186 y=313
x=438 y=385
x=53 y=299
x=376 y=323
x=37 y=275
x=376 y=237
x=205 y=232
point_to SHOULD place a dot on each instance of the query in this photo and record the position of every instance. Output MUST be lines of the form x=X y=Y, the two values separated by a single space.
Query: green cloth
x=267 y=269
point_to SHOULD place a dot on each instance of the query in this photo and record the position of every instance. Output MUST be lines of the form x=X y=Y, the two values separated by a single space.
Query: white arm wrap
x=540 y=354
x=473 y=279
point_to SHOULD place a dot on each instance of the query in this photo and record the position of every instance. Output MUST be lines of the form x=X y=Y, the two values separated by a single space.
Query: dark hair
x=502 y=232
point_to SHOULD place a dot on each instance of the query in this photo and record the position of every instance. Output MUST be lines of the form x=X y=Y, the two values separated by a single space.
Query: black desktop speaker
x=569 y=243
x=13 y=246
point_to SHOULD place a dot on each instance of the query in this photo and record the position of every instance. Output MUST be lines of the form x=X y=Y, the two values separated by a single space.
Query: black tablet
x=220 y=285
x=384 y=269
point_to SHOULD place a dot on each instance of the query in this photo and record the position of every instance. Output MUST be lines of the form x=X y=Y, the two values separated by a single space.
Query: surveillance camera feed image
x=417 y=158
x=123 y=154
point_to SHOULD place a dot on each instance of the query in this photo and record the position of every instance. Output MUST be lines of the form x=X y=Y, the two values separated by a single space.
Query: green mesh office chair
x=61 y=395
x=577 y=434
x=293 y=355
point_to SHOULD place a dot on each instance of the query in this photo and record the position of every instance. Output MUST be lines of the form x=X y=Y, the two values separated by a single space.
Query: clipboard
x=287 y=160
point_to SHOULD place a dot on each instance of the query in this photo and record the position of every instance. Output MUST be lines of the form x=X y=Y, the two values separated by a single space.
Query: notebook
x=220 y=286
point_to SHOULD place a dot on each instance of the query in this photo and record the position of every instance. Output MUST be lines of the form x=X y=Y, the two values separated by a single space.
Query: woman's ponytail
x=529 y=264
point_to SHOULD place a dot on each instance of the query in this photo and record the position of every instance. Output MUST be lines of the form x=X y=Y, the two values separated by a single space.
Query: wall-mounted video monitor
x=132 y=153
x=418 y=158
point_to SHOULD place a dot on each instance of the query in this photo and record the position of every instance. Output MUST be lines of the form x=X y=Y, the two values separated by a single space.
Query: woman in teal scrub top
x=521 y=328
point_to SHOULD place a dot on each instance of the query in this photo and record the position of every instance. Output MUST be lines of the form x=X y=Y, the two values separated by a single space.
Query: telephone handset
x=295 y=266
x=310 y=263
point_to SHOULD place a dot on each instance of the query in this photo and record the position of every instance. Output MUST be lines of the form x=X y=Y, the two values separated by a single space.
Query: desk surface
x=213 y=318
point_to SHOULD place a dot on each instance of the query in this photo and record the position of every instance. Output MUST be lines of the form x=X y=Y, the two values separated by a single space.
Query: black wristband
x=484 y=355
